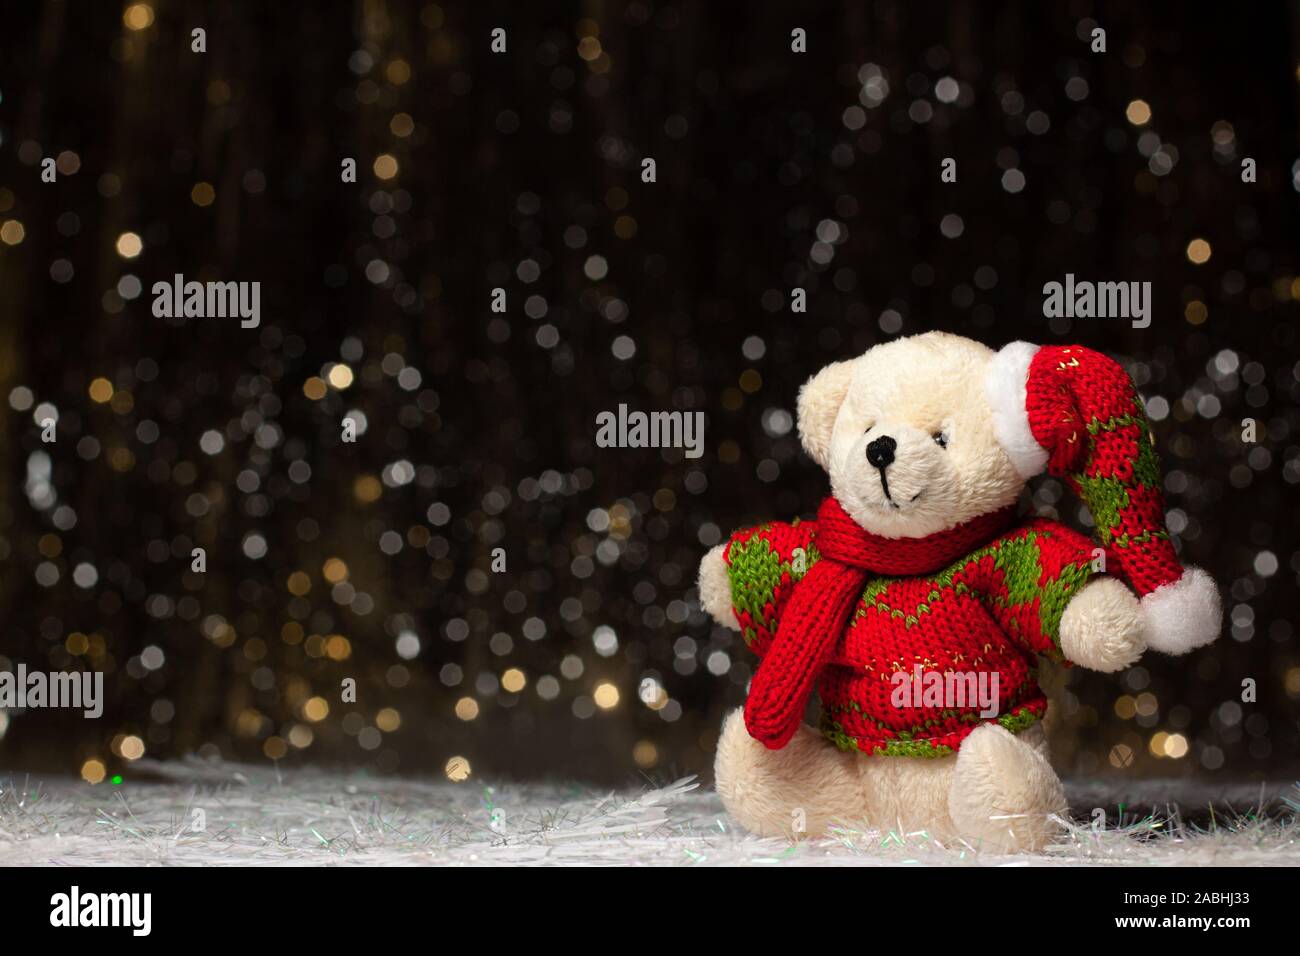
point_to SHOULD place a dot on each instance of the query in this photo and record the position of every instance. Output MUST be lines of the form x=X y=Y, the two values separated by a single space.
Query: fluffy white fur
x=1004 y=386
x=1183 y=615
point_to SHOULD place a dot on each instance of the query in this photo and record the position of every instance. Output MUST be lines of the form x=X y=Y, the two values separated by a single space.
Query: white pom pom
x=1184 y=614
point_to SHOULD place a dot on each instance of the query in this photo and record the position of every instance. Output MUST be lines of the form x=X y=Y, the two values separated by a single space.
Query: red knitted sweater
x=992 y=610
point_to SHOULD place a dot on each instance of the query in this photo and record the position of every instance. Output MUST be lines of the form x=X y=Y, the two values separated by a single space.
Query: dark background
x=775 y=170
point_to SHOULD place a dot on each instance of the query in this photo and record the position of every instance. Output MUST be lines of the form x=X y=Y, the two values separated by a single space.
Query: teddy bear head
x=906 y=433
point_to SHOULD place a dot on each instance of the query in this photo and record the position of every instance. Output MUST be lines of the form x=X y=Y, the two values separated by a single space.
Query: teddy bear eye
x=940 y=439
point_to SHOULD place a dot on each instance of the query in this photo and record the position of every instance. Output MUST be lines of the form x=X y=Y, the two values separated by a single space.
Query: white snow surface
x=264 y=817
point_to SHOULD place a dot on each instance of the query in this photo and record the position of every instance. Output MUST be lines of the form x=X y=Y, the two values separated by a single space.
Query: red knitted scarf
x=820 y=605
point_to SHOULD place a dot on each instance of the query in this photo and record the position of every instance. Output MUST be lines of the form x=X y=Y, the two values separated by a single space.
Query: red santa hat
x=1076 y=414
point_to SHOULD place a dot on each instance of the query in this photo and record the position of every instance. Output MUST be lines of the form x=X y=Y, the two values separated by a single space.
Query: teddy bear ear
x=819 y=403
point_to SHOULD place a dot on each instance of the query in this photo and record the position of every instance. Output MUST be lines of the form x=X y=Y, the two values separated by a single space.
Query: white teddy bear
x=916 y=603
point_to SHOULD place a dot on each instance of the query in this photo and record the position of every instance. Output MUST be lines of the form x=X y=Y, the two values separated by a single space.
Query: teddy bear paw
x=715 y=589
x=1102 y=627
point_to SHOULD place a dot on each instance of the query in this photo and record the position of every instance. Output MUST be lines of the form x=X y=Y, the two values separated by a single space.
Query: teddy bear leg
x=1005 y=796
x=908 y=796
x=794 y=792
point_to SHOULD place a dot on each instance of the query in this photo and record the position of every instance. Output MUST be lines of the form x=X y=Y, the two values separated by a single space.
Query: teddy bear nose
x=881 y=451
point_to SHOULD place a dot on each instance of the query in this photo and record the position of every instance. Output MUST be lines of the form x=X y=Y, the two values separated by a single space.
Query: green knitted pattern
x=1108 y=497
x=913 y=742
x=1019 y=560
x=755 y=573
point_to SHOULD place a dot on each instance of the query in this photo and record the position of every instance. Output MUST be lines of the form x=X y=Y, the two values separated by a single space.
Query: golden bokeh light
x=138 y=16
x=338 y=647
x=340 y=376
x=1292 y=681
x=101 y=390
x=398 y=72
x=606 y=696
x=1198 y=251
x=12 y=232
x=1138 y=113
x=129 y=245
x=367 y=489
x=646 y=754
x=335 y=570
x=385 y=166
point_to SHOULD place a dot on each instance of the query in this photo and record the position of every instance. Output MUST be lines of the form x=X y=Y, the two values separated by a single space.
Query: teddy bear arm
x=1044 y=590
x=745 y=581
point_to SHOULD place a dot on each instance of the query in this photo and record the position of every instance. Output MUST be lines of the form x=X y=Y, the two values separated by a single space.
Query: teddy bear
x=917 y=597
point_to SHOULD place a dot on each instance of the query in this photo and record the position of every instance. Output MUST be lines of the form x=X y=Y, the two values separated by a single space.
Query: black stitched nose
x=881 y=451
